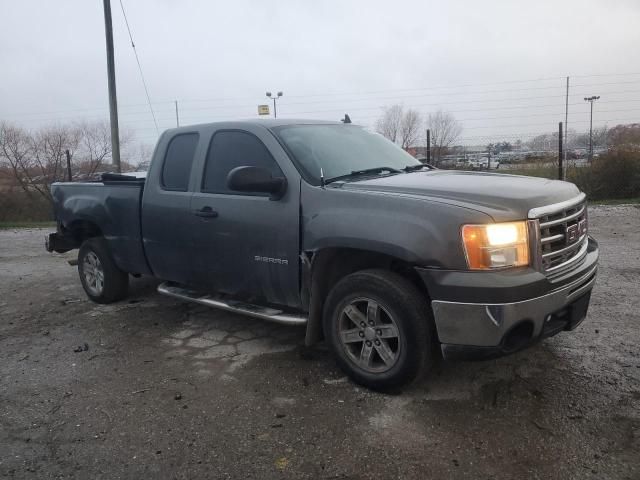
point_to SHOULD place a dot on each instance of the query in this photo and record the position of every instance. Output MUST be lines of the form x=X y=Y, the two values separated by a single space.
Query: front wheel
x=102 y=280
x=379 y=327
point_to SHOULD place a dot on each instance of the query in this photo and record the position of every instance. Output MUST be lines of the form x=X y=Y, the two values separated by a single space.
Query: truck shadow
x=142 y=287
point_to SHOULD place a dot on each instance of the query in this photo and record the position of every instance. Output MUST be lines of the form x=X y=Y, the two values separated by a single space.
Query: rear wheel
x=379 y=327
x=102 y=280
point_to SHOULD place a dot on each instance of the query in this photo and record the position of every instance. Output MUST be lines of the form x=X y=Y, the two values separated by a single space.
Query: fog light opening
x=518 y=337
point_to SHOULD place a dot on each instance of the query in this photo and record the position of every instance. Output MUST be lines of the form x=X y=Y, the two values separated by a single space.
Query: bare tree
x=49 y=155
x=37 y=158
x=141 y=155
x=389 y=125
x=625 y=137
x=410 y=128
x=544 y=142
x=600 y=136
x=399 y=125
x=94 y=148
x=15 y=149
x=445 y=130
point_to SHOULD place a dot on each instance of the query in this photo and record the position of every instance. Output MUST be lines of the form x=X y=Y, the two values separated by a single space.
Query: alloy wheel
x=369 y=335
x=93 y=273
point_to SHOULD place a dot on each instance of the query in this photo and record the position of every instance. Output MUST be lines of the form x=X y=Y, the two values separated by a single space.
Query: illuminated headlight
x=496 y=245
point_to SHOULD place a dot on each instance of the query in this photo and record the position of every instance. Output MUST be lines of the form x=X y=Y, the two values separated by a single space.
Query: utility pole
x=566 y=123
x=560 y=171
x=274 y=98
x=428 y=146
x=177 y=117
x=69 y=177
x=591 y=99
x=111 y=74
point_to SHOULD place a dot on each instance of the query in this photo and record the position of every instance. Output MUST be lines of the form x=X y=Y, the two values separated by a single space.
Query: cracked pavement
x=165 y=389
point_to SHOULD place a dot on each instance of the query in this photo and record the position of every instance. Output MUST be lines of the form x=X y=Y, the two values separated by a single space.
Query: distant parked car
x=474 y=164
x=484 y=164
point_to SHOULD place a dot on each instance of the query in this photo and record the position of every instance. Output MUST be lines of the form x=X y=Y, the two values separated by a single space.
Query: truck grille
x=563 y=235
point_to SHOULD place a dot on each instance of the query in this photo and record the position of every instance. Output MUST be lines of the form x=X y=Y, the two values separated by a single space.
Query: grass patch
x=616 y=201
x=8 y=225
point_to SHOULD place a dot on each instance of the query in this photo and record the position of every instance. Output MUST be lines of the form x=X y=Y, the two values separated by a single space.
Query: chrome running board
x=256 y=311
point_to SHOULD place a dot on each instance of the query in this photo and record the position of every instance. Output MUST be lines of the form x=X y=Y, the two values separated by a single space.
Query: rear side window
x=176 y=169
x=231 y=149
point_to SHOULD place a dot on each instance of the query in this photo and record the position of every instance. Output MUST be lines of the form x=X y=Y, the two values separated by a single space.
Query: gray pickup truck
x=326 y=224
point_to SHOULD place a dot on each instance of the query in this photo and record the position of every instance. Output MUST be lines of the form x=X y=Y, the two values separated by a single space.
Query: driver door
x=245 y=244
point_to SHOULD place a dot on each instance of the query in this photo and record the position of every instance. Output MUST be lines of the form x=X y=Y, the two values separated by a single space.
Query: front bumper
x=472 y=329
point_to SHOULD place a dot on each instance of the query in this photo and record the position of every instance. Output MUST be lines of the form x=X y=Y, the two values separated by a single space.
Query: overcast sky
x=499 y=66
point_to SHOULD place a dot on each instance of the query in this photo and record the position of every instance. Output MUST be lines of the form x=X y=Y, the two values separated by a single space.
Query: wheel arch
x=81 y=229
x=328 y=266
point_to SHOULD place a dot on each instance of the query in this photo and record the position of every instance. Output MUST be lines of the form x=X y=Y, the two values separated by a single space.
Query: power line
x=362 y=99
x=187 y=110
x=435 y=87
x=341 y=106
x=534 y=124
x=368 y=110
x=606 y=83
x=377 y=108
x=627 y=74
x=190 y=117
x=368 y=117
x=548 y=87
x=144 y=83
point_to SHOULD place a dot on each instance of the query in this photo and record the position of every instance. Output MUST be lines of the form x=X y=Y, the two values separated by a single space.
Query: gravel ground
x=155 y=388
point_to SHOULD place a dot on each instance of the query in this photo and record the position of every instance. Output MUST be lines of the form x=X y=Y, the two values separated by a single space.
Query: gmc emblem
x=575 y=231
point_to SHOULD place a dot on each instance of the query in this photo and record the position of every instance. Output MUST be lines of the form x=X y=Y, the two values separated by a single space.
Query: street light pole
x=591 y=99
x=274 y=98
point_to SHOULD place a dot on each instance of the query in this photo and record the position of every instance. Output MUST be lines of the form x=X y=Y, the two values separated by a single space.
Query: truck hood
x=503 y=197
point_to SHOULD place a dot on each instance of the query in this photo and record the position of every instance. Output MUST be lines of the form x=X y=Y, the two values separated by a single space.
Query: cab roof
x=264 y=122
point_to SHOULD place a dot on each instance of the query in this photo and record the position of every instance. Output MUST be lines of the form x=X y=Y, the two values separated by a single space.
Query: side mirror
x=256 y=180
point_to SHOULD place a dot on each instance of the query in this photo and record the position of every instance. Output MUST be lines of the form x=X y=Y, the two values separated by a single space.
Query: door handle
x=206 y=212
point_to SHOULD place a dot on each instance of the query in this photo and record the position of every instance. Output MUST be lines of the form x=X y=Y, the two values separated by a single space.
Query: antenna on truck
x=321 y=178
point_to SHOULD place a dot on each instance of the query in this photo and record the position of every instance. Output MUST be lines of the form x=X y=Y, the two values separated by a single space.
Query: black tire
x=115 y=282
x=401 y=303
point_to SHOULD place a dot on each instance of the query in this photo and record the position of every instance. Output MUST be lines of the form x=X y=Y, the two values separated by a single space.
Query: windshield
x=340 y=149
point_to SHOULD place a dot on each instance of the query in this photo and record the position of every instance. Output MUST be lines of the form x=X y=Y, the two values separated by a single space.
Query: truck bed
x=113 y=207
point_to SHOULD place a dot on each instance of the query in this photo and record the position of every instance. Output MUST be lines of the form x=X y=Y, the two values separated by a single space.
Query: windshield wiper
x=366 y=171
x=420 y=166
